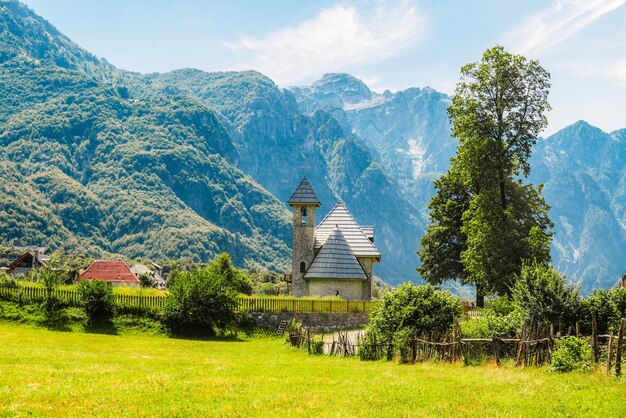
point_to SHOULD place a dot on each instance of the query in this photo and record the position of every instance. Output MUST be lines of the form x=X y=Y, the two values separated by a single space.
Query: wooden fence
x=259 y=304
x=533 y=347
x=246 y=303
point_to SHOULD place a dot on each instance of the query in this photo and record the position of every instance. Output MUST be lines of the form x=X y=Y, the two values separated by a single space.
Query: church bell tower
x=304 y=202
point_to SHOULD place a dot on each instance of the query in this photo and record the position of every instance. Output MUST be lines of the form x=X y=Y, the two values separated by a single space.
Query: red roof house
x=114 y=272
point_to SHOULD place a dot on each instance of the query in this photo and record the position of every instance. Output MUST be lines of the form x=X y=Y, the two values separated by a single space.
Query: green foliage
x=267 y=283
x=571 y=354
x=369 y=347
x=483 y=221
x=203 y=301
x=501 y=318
x=146 y=280
x=222 y=267
x=50 y=279
x=317 y=346
x=543 y=295
x=418 y=309
x=98 y=302
x=609 y=306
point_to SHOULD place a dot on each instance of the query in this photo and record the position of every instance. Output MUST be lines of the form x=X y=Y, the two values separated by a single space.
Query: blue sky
x=389 y=45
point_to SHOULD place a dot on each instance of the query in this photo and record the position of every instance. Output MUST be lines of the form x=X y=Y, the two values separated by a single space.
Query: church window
x=303 y=212
x=302 y=267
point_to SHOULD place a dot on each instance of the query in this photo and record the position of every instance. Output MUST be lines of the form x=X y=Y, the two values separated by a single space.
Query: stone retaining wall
x=317 y=322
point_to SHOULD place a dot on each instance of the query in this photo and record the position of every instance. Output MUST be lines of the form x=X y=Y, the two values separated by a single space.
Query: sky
x=389 y=45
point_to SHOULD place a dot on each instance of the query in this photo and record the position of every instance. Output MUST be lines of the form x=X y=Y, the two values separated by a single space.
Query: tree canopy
x=484 y=221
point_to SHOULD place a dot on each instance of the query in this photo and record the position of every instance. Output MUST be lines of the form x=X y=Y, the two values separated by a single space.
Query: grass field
x=69 y=373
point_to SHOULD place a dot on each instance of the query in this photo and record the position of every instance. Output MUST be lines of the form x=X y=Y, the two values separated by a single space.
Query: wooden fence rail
x=246 y=303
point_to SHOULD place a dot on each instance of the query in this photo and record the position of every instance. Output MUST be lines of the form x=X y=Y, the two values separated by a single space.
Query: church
x=334 y=258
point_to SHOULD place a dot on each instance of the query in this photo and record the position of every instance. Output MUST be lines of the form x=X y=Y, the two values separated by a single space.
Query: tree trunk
x=480 y=298
x=502 y=194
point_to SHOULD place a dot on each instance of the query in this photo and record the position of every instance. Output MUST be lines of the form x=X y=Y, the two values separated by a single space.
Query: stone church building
x=334 y=258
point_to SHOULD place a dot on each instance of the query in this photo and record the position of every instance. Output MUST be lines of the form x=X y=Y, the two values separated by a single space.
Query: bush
x=201 y=302
x=369 y=347
x=570 y=354
x=542 y=294
x=609 y=308
x=317 y=346
x=98 y=301
x=416 y=309
x=222 y=267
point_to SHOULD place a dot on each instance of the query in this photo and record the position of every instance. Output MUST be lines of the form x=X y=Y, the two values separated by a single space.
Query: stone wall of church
x=367 y=263
x=303 y=248
x=348 y=289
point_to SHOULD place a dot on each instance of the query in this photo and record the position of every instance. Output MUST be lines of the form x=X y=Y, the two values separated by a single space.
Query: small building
x=22 y=265
x=115 y=273
x=334 y=258
x=159 y=281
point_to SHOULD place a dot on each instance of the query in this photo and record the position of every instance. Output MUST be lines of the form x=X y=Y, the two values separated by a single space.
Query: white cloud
x=548 y=28
x=336 y=38
x=617 y=71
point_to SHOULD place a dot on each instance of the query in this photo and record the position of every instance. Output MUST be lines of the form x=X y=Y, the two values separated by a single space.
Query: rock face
x=584 y=172
x=583 y=169
x=189 y=164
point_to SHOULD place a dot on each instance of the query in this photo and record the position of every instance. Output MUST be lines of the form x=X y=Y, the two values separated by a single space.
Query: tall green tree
x=484 y=220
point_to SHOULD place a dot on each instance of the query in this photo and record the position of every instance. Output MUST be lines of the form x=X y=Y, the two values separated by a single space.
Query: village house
x=20 y=259
x=116 y=273
x=155 y=275
x=334 y=258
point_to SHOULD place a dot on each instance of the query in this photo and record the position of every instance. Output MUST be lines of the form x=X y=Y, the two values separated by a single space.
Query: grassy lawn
x=68 y=373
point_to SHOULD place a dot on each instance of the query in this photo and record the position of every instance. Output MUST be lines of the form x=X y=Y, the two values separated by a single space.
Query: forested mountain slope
x=84 y=164
x=189 y=163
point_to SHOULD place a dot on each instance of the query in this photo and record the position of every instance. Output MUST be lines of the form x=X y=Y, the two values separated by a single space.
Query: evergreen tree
x=484 y=220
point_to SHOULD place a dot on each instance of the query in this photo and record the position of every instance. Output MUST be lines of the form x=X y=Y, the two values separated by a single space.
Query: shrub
x=98 y=301
x=570 y=354
x=200 y=303
x=317 y=346
x=146 y=281
x=416 y=309
x=542 y=294
x=609 y=308
x=222 y=267
x=369 y=347
x=7 y=281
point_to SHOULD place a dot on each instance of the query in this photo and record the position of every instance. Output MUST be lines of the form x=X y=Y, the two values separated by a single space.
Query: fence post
x=609 y=356
x=618 y=353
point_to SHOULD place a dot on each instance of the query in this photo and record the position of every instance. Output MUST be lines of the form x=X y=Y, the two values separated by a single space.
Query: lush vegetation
x=484 y=220
x=250 y=377
x=92 y=158
x=406 y=312
x=98 y=302
x=203 y=301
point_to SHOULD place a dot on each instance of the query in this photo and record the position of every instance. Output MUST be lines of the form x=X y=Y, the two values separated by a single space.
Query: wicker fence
x=249 y=304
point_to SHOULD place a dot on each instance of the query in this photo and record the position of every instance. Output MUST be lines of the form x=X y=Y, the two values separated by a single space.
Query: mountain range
x=190 y=163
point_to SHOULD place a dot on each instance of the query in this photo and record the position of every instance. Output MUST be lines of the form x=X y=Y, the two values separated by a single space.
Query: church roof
x=335 y=260
x=358 y=241
x=304 y=194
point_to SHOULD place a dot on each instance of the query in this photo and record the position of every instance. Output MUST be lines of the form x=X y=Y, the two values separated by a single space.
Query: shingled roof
x=335 y=260
x=304 y=194
x=109 y=271
x=358 y=241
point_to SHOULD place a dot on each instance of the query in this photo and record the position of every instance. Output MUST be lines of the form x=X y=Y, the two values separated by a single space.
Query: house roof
x=304 y=194
x=41 y=259
x=335 y=260
x=143 y=269
x=358 y=241
x=109 y=271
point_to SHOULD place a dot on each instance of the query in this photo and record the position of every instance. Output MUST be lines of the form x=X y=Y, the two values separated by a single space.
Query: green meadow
x=53 y=373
